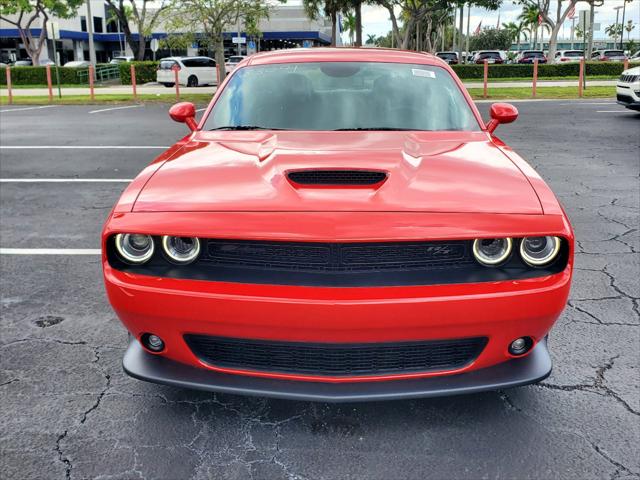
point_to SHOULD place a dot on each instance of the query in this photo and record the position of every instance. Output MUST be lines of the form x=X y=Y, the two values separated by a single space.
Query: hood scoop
x=337 y=178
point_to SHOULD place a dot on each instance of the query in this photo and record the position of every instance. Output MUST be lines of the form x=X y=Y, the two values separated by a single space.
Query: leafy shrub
x=38 y=76
x=145 y=72
x=526 y=71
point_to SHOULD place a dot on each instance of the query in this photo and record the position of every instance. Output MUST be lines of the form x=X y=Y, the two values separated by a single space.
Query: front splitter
x=514 y=373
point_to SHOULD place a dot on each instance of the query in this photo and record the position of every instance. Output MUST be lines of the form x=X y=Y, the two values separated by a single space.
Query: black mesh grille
x=336 y=359
x=624 y=98
x=338 y=257
x=337 y=177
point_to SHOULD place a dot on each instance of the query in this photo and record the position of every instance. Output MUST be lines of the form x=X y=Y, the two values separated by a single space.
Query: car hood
x=426 y=172
x=632 y=71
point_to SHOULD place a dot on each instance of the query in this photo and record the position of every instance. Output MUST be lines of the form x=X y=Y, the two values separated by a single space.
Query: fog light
x=520 y=346
x=152 y=342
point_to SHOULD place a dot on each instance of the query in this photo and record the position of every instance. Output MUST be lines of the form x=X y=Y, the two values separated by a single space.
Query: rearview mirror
x=184 y=112
x=501 y=113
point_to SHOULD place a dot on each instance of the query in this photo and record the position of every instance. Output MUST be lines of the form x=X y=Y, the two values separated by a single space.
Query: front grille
x=629 y=78
x=337 y=177
x=338 y=257
x=336 y=359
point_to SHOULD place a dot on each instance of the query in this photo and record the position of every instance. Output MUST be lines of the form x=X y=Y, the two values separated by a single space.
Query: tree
x=516 y=31
x=629 y=27
x=372 y=39
x=349 y=26
x=331 y=9
x=562 y=9
x=614 y=31
x=30 y=12
x=144 y=19
x=205 y=20
x=491 y=39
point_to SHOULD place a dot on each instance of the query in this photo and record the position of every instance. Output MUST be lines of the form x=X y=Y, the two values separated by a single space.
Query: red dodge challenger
x=341 y=225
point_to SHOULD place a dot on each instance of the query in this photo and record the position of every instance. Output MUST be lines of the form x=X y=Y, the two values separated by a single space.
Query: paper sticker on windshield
x=423 y=73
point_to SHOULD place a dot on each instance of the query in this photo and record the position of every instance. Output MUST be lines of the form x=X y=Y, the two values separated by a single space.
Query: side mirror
x=184 y=112
x=501 y=113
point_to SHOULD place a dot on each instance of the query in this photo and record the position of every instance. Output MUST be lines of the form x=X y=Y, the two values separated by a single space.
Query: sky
x=376 y=21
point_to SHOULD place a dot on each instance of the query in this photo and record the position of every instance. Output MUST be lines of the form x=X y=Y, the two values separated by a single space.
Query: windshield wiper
x=373 y=128
x=246 y=127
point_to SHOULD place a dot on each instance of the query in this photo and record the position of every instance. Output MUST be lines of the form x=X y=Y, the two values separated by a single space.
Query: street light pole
x=624 y=9
x=92 y=48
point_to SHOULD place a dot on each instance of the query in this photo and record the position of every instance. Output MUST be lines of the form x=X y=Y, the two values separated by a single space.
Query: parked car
x=77 y=64
x=121 y=59
x=609 y=56
x=568 y=56
x=528 y=56
x=341 y=225
x=636 y=56
x=450 y=57
x=23 y=63
x=233 y=62
x=628 y=89
x=192 y=71
x=492 y=56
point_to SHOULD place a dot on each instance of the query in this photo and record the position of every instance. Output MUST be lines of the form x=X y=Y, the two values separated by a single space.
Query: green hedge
x=525 y=71
x=38 y=76
x=145 y=72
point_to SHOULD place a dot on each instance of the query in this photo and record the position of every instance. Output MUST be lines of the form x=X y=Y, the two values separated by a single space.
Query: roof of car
x=341 y=54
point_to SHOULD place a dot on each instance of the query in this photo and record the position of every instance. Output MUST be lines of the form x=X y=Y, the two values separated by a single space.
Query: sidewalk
x=151 y=89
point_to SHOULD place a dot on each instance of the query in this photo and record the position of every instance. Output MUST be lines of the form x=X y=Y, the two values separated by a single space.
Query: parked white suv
x=233 y=62
x=628 y=89
x=192 y=71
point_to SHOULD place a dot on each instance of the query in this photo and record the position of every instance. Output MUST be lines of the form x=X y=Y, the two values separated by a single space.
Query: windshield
x=533 y=54
x=342 y=96
x=614 y=53
x=235 y=59
x=573 y=54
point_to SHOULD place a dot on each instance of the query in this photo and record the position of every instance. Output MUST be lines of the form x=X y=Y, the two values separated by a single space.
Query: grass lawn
x=203 y=98
x=541 y=79
x=55 y=86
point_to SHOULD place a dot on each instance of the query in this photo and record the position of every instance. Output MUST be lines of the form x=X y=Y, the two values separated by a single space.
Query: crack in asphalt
x=618 y=465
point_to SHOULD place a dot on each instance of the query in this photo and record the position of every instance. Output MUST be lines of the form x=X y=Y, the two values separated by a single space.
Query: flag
x=498 y=24
x=572 y=12
x=477 y=31
x=539 y=19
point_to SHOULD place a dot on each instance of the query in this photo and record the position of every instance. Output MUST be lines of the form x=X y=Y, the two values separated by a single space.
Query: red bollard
x=535 y=76
x=217 y=75
x=581 y=78
x=49 y=83
x=10 y=99
x=486 y=75
x=175 y=73
x=133 y=81
x=91 y=73
x=626 y=64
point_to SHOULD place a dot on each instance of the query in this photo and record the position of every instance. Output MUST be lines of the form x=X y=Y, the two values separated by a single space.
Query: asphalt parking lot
x=69 y=411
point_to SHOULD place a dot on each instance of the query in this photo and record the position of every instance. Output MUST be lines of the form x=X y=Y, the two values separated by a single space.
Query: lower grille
x=336 y=359
x=624 y=98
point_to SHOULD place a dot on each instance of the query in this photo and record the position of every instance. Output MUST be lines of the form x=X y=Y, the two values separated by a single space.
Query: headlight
x=134 y=247
x=492 y=251
x=537 y=251
x=181 y=249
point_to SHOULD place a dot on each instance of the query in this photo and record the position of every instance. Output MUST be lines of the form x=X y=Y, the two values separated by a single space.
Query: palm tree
x=614 y=30
x=349 y=25
x=372 y=39
x=515 y=30
x=629 y=28
x=331 y=9
x=529 y=16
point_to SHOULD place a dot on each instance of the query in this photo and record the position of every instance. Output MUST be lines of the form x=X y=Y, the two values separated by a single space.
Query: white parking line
x=614 y=111
x=65 y=180
x=114 y=108
x=79 y=147
x=50 y=251
x=27 y=108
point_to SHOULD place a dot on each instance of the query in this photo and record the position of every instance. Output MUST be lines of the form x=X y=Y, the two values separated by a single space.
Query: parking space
x=69 y=410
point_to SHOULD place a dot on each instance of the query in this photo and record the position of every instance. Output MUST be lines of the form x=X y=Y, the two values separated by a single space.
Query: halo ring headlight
x=134 y=247
x=492 y=251
x=181 y=250
x=538 y=251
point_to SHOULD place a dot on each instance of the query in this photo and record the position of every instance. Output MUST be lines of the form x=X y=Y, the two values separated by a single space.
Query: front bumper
x=516 y=372
x=626 y=95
